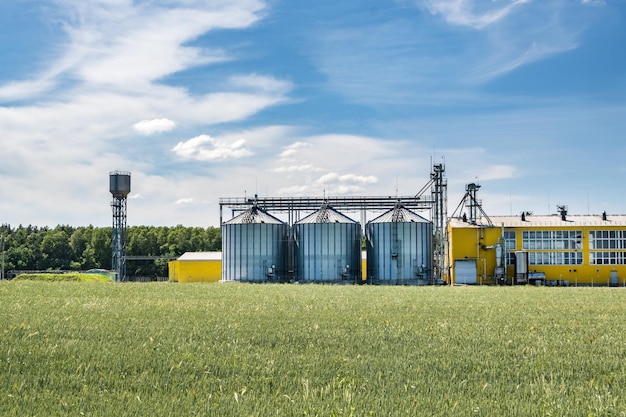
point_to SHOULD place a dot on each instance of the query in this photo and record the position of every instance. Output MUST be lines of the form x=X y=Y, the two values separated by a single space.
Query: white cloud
x=206 y=148
x=149 y=127
x=333 y=183
x=126 y=44
x=508 y=59
x=18 y=90
x=333 y=177
x=291 y=150
x=472 y=13
x=262 y=83
x=296 y=169
x=184 y=201
x=497 y=172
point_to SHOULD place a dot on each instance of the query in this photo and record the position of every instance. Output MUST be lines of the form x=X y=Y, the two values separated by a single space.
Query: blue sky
x=207 y=99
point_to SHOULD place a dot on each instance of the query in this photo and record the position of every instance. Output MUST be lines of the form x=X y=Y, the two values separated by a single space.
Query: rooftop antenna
x=119 y=185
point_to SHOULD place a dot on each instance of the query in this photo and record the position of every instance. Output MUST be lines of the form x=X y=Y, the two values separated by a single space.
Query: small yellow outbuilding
x=196 y=267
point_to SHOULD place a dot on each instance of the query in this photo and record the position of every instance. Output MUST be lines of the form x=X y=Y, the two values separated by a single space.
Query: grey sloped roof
x=326 y=214
x=254 y=215
x=399 y=214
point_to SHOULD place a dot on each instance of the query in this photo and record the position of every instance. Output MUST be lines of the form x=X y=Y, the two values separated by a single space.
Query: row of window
x=571 y=258
x=607 y=239
x=568 y=240
x=551 y=239
x=555 y=258
x=607 y=258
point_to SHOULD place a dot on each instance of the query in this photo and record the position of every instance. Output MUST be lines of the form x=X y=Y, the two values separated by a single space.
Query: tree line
x=67 y=248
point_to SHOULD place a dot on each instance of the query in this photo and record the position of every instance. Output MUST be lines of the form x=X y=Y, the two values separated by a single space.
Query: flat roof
x=554 y=220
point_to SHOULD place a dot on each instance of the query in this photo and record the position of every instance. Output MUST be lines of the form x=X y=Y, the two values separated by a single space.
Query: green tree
x=56 y=249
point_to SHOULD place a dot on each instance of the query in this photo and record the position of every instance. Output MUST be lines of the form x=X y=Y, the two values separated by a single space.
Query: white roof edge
x=200 y=256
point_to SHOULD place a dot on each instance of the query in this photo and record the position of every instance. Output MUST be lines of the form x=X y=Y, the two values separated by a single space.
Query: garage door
x=465 y=271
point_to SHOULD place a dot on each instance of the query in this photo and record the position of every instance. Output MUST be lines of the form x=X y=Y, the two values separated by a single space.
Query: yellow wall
x=467 y=242
x=195 y=271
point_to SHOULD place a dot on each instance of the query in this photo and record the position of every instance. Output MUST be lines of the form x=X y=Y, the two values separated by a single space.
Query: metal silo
x=327 y=248
x=254 y=247
x=399 y=248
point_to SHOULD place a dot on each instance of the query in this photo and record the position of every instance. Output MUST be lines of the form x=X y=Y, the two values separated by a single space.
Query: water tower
x=119 y=185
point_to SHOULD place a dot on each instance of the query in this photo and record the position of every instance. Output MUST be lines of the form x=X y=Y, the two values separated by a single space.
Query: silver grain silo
x=254 y=247
x=327 y=248
x=399 y=248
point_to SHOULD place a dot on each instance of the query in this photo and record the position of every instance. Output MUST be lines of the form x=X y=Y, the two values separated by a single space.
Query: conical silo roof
x=399 y=214
x=254 y=215
x=326 y=214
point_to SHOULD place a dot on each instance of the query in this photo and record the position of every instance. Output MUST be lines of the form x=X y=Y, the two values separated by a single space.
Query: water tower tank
x=254 y=247
x=399 y=248
x=328 y=248
x=119 y=184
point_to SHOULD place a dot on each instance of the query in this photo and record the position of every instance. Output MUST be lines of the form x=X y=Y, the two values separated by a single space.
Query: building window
x=555 y=258
x=510 y=243
x=607 y=239
x=552 y=239
x=607 y=258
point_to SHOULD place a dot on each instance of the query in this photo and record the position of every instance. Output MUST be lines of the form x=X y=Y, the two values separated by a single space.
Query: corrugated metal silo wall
x=399 y=252
x=328 y=252
x=249 y=251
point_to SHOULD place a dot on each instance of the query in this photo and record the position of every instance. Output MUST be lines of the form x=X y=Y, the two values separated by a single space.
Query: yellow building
x=196 y=267
x=552 y=250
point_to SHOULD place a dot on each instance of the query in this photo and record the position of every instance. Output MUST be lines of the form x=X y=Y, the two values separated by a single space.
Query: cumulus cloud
x=333 y=183
x=206 y=148
x=150 y=127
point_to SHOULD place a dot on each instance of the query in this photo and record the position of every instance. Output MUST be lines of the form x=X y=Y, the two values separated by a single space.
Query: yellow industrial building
x=196 y=267
x=556 y=249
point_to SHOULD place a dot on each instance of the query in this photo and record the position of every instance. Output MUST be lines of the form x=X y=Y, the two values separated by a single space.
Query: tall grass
x=294 y=350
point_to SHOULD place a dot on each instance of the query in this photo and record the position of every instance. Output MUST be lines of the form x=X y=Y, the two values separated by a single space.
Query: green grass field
x=164 y=349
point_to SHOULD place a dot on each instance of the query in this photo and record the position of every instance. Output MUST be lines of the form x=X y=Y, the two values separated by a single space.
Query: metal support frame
x=119 y=237
x=436 y=202
x=474 y=206
x=439 y=191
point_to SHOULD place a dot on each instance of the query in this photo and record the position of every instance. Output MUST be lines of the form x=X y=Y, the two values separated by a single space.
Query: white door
x=465 y=271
